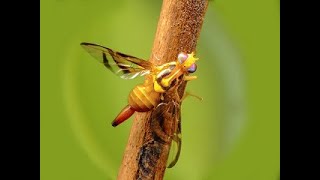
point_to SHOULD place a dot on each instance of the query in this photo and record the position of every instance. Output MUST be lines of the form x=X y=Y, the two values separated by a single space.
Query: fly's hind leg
x=164 y=121
x=176 y=137
x=158 y=118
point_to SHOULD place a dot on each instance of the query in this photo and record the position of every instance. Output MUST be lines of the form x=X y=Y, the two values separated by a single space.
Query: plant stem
x=178 y=30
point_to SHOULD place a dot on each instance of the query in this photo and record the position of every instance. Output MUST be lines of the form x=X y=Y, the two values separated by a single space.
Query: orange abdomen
x=143 y=98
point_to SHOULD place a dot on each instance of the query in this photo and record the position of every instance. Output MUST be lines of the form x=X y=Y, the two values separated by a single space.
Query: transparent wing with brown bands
x=123 y=65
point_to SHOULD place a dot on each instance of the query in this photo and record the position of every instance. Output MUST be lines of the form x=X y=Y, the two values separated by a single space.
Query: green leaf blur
x=233 y=134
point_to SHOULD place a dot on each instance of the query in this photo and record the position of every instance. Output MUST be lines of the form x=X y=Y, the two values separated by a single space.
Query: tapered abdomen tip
x=114 y=124
x=125 y=114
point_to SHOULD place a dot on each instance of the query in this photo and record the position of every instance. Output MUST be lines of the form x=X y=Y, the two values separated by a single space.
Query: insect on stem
x=178 y=29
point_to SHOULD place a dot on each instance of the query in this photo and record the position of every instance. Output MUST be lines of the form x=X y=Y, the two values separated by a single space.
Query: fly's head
x=187 y=62
x=173 y=73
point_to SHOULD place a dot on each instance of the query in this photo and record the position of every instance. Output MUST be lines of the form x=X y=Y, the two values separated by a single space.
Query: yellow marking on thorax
x=167 y=81
x=158 y=88
x=161 y=67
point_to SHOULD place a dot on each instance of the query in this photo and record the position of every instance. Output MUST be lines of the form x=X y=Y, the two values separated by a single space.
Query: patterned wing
x=125 y=66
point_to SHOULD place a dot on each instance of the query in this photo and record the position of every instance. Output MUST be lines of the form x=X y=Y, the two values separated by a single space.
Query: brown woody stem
x=178 y=31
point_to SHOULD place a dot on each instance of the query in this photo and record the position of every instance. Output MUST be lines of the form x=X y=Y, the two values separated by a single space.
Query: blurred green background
x=233 y=134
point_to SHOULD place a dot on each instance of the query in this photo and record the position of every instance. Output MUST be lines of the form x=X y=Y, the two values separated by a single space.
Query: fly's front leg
x=189 y=78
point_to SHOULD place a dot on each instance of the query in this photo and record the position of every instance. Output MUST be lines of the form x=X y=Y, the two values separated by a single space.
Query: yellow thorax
x=177 y=72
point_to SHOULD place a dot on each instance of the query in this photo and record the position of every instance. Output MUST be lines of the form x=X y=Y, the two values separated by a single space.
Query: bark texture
x=178 y=30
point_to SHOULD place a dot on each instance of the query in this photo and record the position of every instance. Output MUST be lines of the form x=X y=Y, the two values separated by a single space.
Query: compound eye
x=182 y=57
x=192 y=68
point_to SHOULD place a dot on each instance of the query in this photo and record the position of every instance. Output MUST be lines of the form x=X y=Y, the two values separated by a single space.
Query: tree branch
x=178 y=30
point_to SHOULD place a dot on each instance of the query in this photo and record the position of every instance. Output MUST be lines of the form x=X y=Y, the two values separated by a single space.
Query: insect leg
x=166 y=127
x=176 y=137
x=177 y=140
x=186 y=94
x=189 y=78
x=157 y=119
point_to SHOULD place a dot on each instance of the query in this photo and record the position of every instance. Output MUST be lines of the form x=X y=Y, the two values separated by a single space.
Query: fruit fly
x=151 y=95
x=144 y=97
